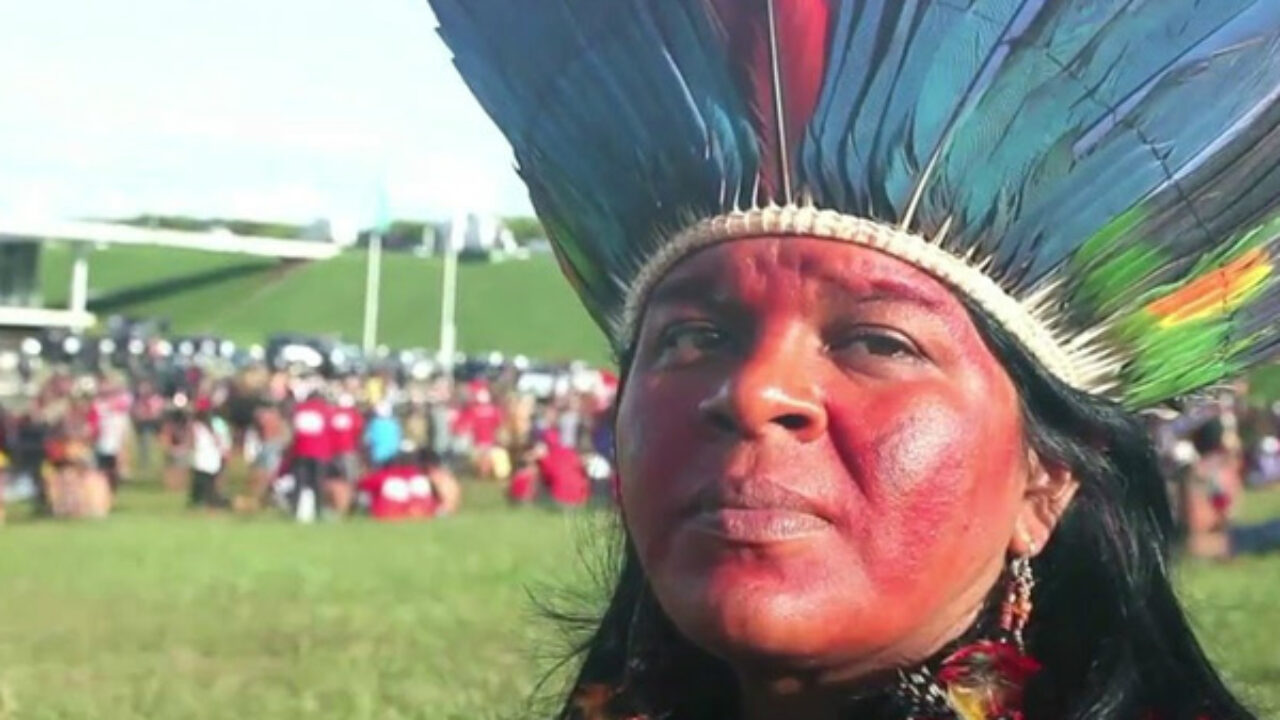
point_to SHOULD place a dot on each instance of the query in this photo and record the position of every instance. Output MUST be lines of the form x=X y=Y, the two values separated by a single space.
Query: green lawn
x=158 y=614
x=513 y=307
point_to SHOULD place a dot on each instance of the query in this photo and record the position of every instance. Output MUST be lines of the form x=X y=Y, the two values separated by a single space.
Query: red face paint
x=821 y=460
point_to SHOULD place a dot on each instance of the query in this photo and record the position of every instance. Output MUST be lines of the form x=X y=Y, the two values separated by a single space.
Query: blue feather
x=1157 y=141
x=905 y=72
x=675 y=139
x=1067 y=73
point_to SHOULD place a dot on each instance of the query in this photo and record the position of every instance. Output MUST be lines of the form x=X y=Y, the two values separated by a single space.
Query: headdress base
x=1079 y=363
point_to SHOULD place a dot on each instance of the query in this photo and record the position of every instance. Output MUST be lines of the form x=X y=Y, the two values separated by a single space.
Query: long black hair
x=1113 y=639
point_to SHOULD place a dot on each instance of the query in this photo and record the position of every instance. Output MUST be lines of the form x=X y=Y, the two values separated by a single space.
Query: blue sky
x=273 y=109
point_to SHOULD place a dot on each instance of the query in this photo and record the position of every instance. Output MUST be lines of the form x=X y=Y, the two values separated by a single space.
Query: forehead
x=766 y=266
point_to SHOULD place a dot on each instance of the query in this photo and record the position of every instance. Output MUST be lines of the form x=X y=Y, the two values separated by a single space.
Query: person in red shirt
x=523 y=488
x=346 y=426
x=562 y=473
x=312 y=447
x=480 y=419
x=423 y=501
x=398 y=491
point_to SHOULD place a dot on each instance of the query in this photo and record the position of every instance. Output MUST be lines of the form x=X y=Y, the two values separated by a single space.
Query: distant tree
x=167 y=222
x=525 y=228
x=405 y=233
x=240 y=227
x=399 y=235
x=281 y=231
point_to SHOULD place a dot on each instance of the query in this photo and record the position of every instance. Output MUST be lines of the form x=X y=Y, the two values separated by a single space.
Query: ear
x=1050 y=489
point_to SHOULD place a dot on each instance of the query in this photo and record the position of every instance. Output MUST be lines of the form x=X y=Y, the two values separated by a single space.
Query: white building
x=473 y=233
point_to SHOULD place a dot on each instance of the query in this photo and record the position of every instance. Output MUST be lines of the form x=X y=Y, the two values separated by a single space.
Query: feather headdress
x=1102 y=177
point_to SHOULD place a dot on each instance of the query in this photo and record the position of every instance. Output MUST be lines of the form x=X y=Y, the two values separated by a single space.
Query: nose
x=768 y=392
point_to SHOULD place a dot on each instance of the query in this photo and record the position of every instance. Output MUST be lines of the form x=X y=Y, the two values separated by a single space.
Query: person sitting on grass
x=523 y=487
x=76 y=487
x=563 y=476
x=398 y=491
x=443 y=483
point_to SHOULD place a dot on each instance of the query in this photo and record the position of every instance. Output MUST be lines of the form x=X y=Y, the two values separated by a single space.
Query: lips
x=757 y=512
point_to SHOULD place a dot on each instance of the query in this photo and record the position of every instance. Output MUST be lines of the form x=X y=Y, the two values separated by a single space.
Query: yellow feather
x=969 y=703
x=1215 y=293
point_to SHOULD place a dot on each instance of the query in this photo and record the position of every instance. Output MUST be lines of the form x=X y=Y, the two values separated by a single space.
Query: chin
x=780 y=630
x=772 y=612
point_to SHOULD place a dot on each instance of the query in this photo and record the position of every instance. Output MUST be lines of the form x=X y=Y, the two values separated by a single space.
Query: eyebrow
x=892 y=289
x=689 y=290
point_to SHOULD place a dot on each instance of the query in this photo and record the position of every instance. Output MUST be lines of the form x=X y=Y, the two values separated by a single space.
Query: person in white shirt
x=110 y=422
x=206 y=462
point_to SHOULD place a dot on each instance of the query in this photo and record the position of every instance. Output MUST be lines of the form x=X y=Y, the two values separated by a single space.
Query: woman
x=887 y=281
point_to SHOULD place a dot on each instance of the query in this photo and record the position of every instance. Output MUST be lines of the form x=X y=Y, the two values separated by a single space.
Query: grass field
x=158 y=614
x=513 y=307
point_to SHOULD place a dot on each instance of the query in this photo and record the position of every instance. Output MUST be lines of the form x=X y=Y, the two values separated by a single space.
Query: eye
x=873 y=343
x=688 y=342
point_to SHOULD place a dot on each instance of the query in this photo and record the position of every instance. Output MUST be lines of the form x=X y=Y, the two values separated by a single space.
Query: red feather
x=803 y=35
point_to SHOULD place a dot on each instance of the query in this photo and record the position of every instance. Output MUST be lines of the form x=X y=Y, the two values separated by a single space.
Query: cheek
x=657 y=435
x=928 y=465
x=645 y=418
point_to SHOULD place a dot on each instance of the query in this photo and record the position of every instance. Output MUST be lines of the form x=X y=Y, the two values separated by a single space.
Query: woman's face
x=821 y=462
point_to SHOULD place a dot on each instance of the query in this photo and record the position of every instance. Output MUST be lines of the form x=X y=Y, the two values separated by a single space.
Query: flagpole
x=373 y=268
x=372 y=291
x=449 y=298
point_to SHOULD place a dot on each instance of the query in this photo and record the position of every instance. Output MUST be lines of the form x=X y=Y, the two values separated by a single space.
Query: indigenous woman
x=887 y=280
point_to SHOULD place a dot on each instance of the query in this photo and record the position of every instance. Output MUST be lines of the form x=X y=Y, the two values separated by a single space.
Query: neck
x=832 y=693
x=788 y=699
x=796 y=698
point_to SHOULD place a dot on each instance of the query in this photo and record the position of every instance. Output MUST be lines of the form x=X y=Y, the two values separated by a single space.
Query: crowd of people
x=393 y=448
x=1211 y=454
x=376 y=444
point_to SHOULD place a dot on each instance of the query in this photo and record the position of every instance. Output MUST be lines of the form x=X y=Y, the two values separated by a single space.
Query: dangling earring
x=983 y=680
x=1015 y=612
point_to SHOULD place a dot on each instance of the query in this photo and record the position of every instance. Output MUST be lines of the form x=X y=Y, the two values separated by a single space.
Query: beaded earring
x=983 y=680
